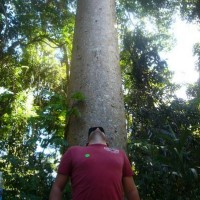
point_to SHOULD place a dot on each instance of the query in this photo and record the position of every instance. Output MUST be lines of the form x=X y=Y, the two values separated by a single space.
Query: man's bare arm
x=130 y=188
x=58 y=187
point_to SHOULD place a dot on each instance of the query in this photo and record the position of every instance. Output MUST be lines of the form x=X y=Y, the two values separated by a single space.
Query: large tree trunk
x=95 y=72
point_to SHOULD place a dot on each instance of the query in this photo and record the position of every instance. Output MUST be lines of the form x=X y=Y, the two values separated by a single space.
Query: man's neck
x=97 y=142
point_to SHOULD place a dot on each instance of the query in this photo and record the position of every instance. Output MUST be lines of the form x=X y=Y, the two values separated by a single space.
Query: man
x=97 y=172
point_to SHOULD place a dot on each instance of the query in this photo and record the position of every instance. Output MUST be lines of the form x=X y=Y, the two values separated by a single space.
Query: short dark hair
x=94 y=128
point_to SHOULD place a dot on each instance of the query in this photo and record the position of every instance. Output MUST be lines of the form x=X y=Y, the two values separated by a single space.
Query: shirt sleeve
x=127 y=170
x=65 y=166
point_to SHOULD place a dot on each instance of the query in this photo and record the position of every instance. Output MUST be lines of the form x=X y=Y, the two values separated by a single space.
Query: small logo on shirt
x=111 y=150
x=87 y=155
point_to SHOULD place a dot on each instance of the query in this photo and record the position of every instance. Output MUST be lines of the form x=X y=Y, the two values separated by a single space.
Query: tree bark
x=95 y=72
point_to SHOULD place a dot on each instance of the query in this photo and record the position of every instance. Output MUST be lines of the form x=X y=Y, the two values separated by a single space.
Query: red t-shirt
x=96 y=172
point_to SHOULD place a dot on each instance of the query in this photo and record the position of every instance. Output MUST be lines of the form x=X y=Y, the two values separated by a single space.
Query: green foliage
x=29 y=135
x=166 y=168
x=33 y=107
x=78 y=96
x=146 y=76
x=164 y=132
x=190 y=10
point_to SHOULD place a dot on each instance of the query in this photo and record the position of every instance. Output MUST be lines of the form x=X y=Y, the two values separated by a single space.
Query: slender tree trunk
x=95 y=72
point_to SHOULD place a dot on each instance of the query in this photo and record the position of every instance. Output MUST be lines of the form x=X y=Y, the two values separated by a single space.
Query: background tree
x=96 y=74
